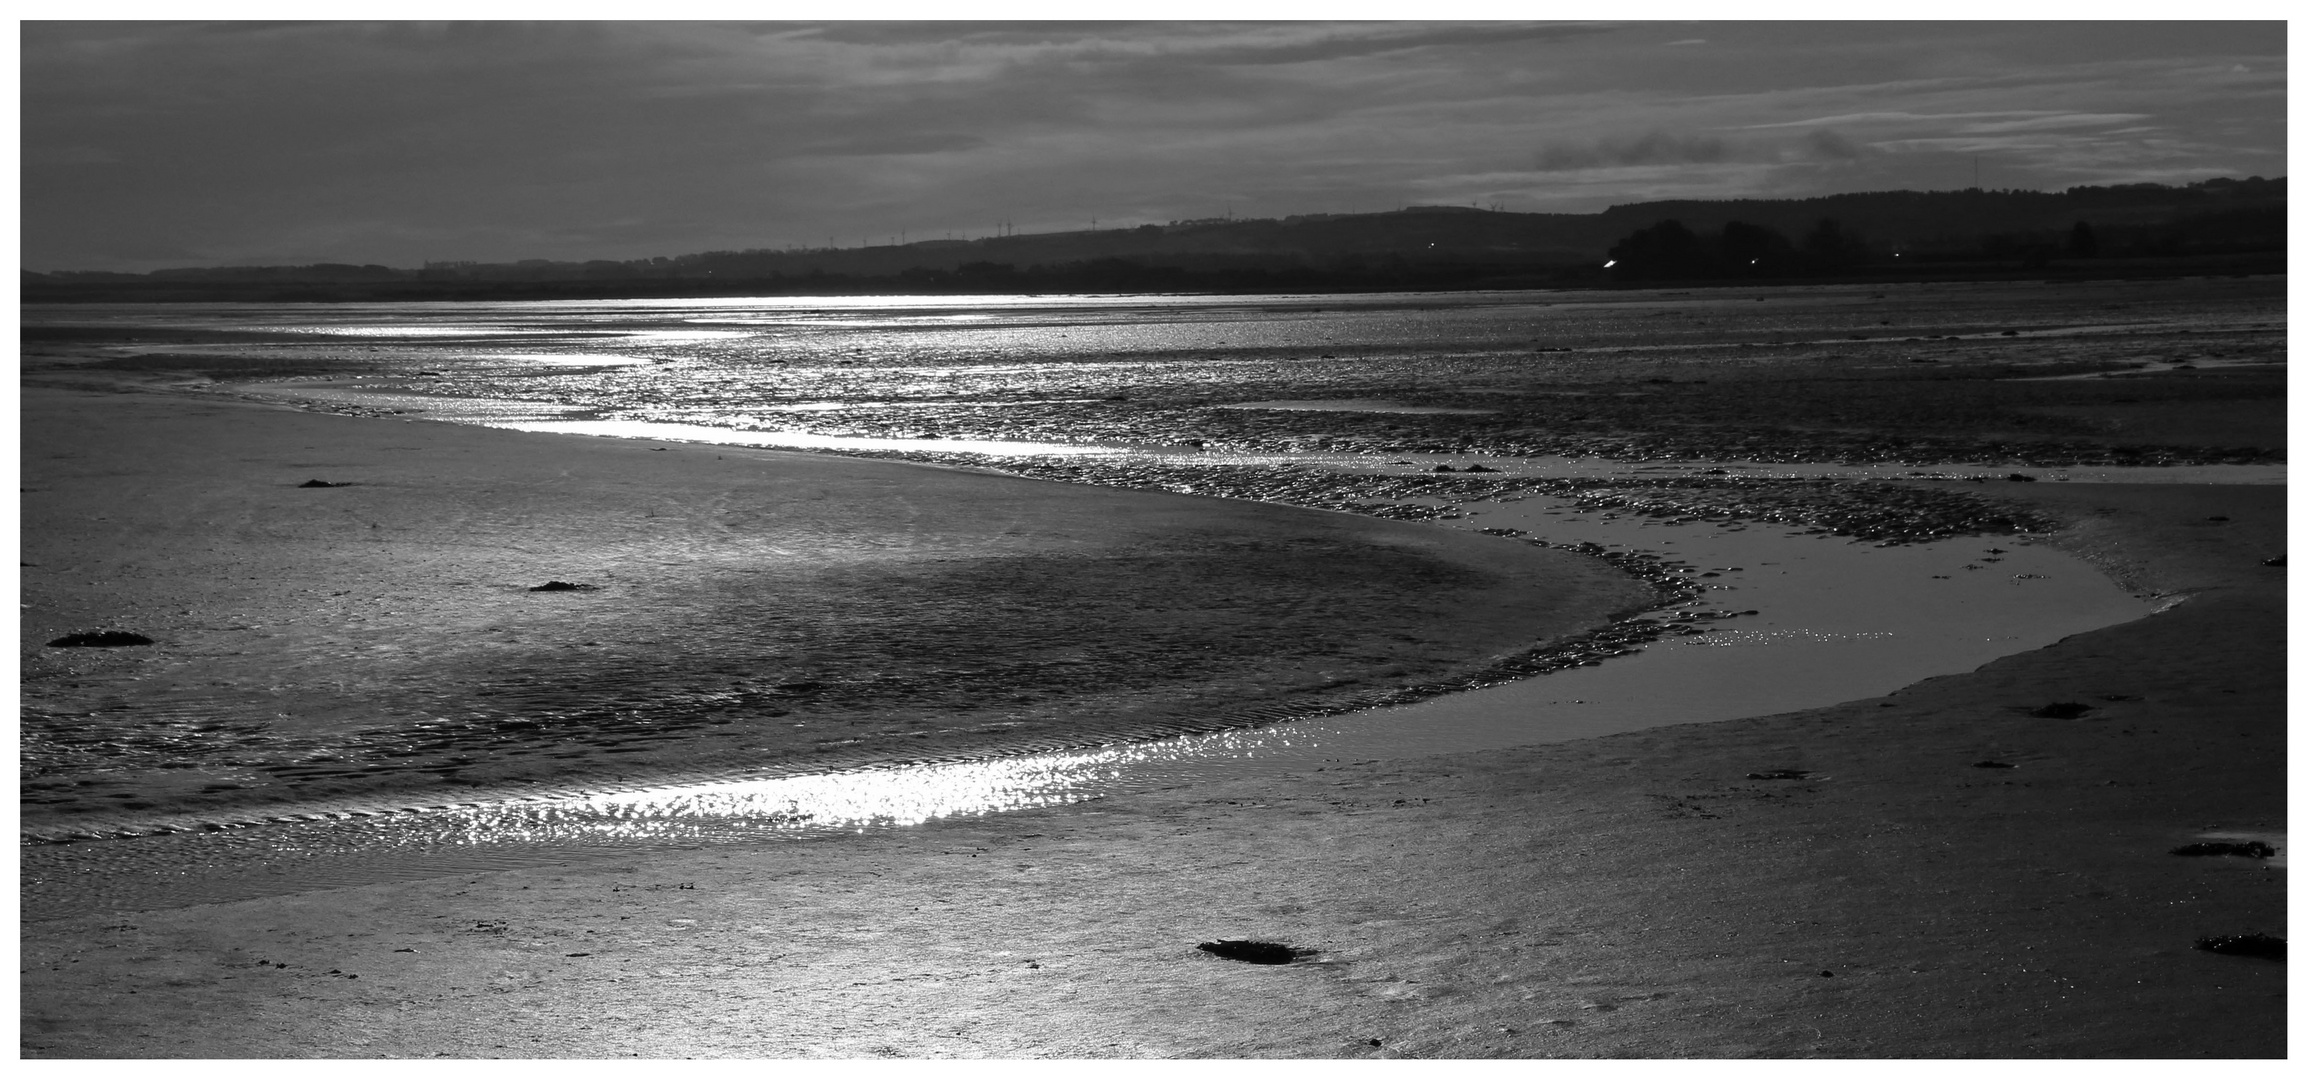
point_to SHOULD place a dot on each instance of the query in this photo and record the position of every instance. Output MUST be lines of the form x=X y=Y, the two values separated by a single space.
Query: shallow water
x=1405 y=369
x=799 y=440
x=1406 y=463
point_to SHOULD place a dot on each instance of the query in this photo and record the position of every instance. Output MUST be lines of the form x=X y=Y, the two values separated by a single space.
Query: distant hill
x=2125 y=228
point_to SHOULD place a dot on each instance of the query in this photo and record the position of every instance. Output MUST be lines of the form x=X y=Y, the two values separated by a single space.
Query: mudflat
x=354 y=611
x=1939 y=872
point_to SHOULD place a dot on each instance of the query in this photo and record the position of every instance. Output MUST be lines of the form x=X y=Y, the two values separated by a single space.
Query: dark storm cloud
x=170 y=143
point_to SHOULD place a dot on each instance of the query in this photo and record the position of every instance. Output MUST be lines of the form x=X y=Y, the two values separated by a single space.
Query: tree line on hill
x=2122 y=228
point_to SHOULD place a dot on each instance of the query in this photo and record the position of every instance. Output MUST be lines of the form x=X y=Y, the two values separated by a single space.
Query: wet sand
x=382 y=641
x=1637 y=894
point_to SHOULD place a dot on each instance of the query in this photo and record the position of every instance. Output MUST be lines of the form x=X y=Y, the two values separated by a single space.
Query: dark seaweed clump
x=2250 y=849
x=1255 y=952
x=2258 y=946
x=99 y=639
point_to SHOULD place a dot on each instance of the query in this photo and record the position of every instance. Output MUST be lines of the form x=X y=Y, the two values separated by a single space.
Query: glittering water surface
x=1243 y=372
x=800 y=440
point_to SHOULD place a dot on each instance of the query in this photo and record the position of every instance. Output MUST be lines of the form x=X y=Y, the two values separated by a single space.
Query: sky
x=150 y=145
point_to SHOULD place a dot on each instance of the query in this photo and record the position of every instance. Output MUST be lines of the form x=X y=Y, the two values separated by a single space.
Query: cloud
x=1663 y=149
x=893 y=144
x=2055 y=120
x=2000 y=120
x=1824 y=145
x=1368 y=41
x=1897 y=117
x=1655 y=148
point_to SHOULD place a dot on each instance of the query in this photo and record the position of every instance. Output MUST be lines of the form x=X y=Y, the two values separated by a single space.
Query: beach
x=425 y=755
x=1845 y=881
x=909 y=544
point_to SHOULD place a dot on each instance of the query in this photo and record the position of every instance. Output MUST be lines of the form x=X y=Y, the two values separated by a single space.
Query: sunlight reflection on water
x=432 y=330
x=845 y=801
x=570 y=359
x=642 y=429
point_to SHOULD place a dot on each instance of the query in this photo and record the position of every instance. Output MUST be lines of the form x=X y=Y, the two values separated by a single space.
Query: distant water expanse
x=1431 y=371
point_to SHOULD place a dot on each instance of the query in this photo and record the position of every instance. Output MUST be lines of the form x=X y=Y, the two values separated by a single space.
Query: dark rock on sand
x=1255 y=952
x=2062 y=710
x=320 y=484
x=2250 y=849
x=562 y=586
x=1779 y=774
x=2261 y=946
x=99 y=639
x=1992 y=764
